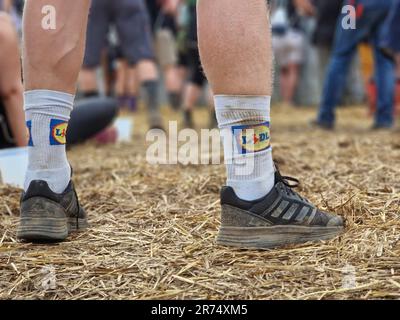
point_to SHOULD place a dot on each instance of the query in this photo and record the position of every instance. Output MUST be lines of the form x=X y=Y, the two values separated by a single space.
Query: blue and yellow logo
x=29 y=126
x=58 y=132
x=252 y=138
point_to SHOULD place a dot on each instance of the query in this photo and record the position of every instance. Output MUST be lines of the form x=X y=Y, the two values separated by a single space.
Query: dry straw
x=153 y=228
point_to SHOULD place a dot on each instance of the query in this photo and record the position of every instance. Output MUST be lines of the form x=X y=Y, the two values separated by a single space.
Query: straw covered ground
x=153 y=228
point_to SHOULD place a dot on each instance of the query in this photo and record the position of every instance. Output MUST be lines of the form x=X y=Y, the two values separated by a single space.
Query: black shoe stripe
x=272 y=207
x=303 y=213
x=281 y=209
x=291 y=211
x=311 y=216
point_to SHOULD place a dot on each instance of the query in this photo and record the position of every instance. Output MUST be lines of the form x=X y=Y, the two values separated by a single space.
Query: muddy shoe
x=47 y=216
x=281 y=218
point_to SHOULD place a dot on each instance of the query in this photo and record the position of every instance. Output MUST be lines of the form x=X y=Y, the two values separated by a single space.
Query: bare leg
x=235 y=47
x=283 y=82
x=147 y=71
x=243 y=27
x=174 y=85
x=173 y=80
x=52 y=58
x=148 y=77
x=126 y=86
x=236 y=54
x=191 y=95
x=88 y=82
x=10 y=80
x=132 y=83
x=121 y=79
x=289 y=82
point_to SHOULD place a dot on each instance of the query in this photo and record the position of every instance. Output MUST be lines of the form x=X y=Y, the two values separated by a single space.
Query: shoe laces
x=289 y=183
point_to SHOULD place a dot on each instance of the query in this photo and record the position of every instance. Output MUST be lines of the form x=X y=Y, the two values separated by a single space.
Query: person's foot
x=156 y=122
x=188 y=119
x=281 y=218
x=47 y=216
x=322 y=125
x=378 y=127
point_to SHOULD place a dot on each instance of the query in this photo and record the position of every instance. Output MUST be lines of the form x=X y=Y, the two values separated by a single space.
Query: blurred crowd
x=145 y=53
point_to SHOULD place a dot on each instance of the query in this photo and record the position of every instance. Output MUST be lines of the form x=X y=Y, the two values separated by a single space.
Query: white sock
x=47 y=115
x=244 y=122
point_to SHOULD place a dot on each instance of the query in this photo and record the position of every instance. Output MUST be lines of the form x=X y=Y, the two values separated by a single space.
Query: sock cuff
x=244 y=102
x=45 y=99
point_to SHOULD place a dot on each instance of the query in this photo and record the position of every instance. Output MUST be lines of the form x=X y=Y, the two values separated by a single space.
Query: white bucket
x=125 y=129
x=13 y=165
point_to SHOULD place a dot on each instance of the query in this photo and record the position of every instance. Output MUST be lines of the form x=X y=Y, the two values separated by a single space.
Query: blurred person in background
x=88 y=118
x=391 y=42
x=288 y=45
x=164 y=16
x=197 y=80
x=132 y=23
x=12 y=119
x=327 y=14
x=370 y=25
x=14 y=8
x=121 y=78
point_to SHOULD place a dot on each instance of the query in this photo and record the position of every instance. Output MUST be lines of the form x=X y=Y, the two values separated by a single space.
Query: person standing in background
x=391 y=41
x=391 y=44
x=163 y=16
x=288 y=45
x=326 y=14
x=197 y=80
x=132 y=23
x=371 y=16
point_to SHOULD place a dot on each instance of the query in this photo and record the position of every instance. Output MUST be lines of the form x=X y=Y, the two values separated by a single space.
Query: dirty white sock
x=245 y=128
x=47 y=114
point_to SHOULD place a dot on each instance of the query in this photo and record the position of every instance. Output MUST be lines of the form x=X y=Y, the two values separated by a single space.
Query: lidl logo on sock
x=29 y=126
x=58 y=132
x=252 y=138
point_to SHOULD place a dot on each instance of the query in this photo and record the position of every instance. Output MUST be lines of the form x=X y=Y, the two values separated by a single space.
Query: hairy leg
x=235 y=46
x=234 y=37
x=52 y=59
x=292 y=76
x=236 y=54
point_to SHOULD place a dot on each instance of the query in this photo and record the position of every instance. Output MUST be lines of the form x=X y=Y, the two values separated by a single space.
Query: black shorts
x=132 y=23
x=6 y=137
x=196 y=74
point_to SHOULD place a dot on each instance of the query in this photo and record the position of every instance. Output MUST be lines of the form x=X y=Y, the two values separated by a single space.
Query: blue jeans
x=391 y=39
x=369 y=26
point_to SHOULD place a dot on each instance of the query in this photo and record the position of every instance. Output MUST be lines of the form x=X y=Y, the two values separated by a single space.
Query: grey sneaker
x=47 y=216
x=281 y=218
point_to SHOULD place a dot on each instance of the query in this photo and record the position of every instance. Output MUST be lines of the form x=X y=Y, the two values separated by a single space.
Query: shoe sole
x=49 y=229
x=273 y=237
